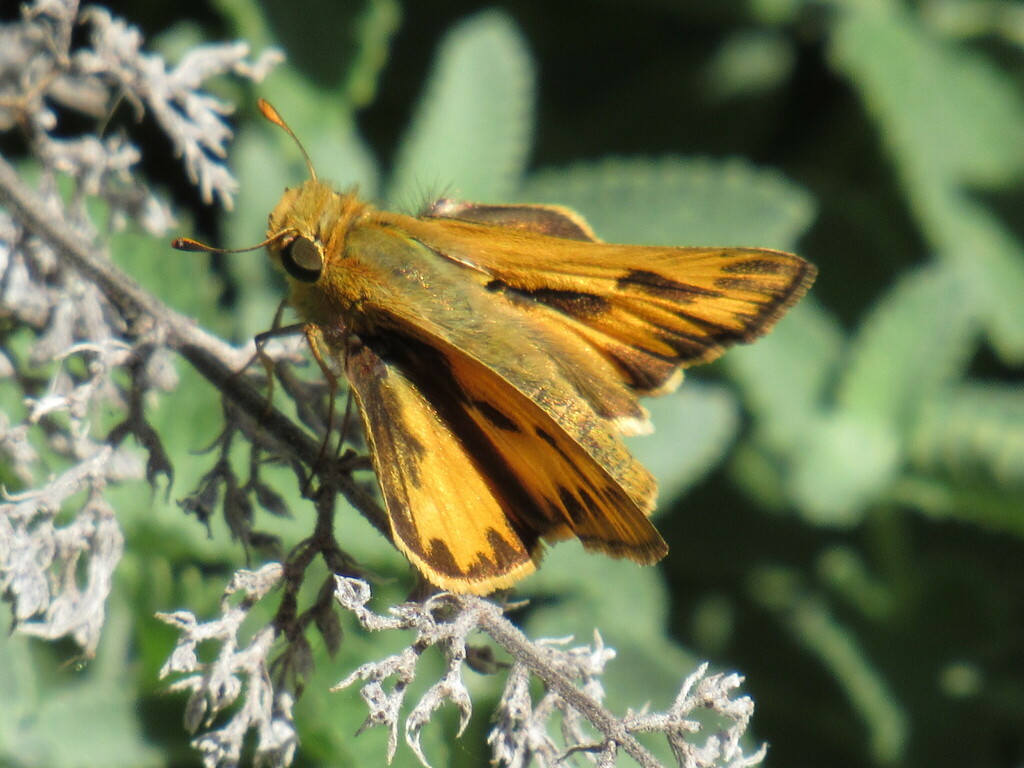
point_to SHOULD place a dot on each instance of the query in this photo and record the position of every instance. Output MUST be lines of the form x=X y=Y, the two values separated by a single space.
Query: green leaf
x=247 y=20
x=844 y=464
x=948 y=117
x=678 y=201
x=62 y=719
x=750 y=62
x=342 y=47
x=375 y=27
x=472 y=130
x=915 y=341
x=974 y=431
x=951 y=121
x=693 y=429
x=786 y=375
x=992 y=261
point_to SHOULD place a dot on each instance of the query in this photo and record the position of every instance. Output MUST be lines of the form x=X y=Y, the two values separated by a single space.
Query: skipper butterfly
x=496 y=354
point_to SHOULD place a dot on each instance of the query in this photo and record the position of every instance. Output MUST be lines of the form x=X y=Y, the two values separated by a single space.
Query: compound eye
x=303 y=260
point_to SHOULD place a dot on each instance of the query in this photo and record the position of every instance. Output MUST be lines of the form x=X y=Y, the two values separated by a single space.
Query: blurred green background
x=843 y=500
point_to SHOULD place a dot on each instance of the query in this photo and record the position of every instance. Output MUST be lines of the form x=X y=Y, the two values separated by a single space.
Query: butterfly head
x=307 y=229
x=295 y=234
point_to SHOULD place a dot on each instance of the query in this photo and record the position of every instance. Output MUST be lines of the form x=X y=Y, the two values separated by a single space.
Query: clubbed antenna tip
x=274 y=116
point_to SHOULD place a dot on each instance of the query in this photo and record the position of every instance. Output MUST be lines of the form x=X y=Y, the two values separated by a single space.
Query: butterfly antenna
x=194 y=246
x=273 y=116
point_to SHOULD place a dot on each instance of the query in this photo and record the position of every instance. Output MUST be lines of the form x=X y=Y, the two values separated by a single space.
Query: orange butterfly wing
x=474 y=473
x=650 y=310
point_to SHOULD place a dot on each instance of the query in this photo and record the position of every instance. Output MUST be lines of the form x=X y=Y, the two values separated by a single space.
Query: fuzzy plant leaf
x=845 y=463
x=678 y=201
x=472 y=131
x=993 y=275
x=342 y=47
x=948 y=117
x=918 y=339
x=693 y=430
x=787 y=375
x=952 y=122
x=751 y=62
x=974 y=432
x=375 y=26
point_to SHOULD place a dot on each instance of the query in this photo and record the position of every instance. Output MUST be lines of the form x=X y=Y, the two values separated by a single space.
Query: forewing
x=660 y=310
x=650 y=310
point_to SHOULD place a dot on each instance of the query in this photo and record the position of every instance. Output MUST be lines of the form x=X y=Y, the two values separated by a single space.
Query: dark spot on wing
x=404 y=523
x=658 y=285
x=550 y=440
x=495 y=416
x=501 y=557
x=441 y=558
x=761 y=265
x=612 y=494
x=543 y=435
x=577 y=512
x=498 y=559
x=647 y=370
x=588 y=501
x=740 y=284
x=574 y=303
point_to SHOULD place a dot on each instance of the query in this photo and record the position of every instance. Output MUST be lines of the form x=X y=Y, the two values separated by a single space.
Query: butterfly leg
x=276 y=330
x=315 y=338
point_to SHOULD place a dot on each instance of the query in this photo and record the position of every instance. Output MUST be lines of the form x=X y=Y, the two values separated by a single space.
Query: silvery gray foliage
x=448 y=635
x=237 y=671
x=192 y=119
x=701 y=693
x=81 y=342
x=42 y=561
x=703 y=727
x=520 y=736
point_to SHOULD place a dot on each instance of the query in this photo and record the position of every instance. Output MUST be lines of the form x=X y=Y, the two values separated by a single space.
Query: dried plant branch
x=237 y=671
x=520 y=735
x=537 y=660
x=41 y=574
